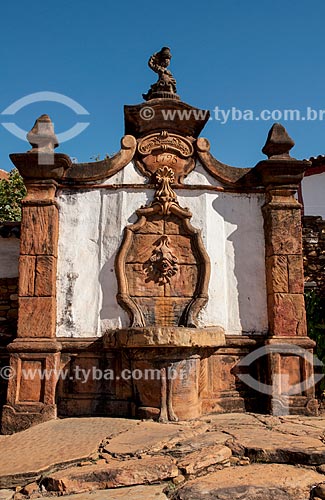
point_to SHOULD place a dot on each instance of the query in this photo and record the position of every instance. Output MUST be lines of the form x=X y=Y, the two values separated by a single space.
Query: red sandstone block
x=296 y=274
x=39 y=230
x=287 y=315
x=283 y=232
x=27 y=265
x=45 y=276
x=277 y=274
x=36 y=317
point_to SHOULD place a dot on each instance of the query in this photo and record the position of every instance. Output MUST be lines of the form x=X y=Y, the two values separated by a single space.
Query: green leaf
x=12 y=191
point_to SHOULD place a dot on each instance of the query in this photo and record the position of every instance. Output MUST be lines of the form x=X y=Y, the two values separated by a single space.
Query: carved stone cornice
x=226 y=174
x=278 y=172
x=168 y=337
x=176 y=117
x=57 y=166
x=100 y=170
x=35 y=165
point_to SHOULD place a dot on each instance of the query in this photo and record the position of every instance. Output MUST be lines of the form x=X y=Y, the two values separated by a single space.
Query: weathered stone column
x=35 y=355
x=281 y=175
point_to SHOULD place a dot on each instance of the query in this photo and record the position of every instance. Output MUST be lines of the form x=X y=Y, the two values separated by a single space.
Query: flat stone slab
x=224 y=421
x=199 y=460
x=151 y=436
x=264 y=445
x=112 y=474
x=200 y=442
x=135 y=493
x=28 y=454
x=252 y=482
x=6 y=494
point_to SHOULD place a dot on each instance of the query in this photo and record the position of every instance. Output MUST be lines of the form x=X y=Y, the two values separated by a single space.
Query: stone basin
x=175 y=354
x=168 y=337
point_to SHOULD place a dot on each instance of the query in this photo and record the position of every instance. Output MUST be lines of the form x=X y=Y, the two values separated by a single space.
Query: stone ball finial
x=42 y=137
x=278 y=142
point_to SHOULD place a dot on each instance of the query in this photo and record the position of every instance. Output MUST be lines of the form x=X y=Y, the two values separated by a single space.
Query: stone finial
x=278 y=142
x=42 y=137
x=165 y=87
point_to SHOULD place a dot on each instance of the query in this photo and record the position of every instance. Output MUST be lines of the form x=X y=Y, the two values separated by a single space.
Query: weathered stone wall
x=8 y=304
x=314 y=252
x=9 y=257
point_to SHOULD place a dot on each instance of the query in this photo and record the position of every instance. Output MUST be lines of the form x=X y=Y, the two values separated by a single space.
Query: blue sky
x=252 y=54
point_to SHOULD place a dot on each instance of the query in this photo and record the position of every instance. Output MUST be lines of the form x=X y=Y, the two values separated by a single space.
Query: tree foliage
x=315 y=312
x=12 y=191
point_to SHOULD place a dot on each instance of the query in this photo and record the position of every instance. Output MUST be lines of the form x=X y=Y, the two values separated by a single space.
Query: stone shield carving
x=162 y=267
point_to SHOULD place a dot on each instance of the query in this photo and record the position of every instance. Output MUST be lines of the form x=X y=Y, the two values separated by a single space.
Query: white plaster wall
x=232 y=232
x=199 y=176
x=128 y=175
x=91 y=229
x=313 y=194
x=9 y=257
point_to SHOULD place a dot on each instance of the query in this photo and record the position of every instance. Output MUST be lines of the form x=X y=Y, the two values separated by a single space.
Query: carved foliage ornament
x=163 y=264
x=165 y=197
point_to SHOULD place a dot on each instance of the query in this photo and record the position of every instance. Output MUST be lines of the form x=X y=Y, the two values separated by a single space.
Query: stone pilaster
x=288 y=366
x=34 y=355
x=284 y=262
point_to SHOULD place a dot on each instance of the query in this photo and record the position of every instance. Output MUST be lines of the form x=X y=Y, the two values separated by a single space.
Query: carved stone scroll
x=165 y=141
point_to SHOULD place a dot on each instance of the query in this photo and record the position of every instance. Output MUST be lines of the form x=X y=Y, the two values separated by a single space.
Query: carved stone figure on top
x=165 y=87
